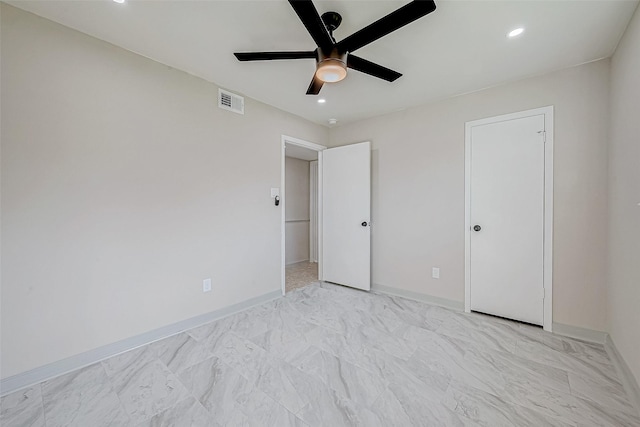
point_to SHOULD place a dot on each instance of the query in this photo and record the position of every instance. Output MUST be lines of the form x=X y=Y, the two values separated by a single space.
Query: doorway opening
x=301 y=213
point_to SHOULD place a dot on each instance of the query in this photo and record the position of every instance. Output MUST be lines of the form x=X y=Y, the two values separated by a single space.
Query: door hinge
x=544 y=135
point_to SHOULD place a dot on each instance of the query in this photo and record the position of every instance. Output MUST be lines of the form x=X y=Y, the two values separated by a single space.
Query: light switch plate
x=275 y=192
x=435 y=272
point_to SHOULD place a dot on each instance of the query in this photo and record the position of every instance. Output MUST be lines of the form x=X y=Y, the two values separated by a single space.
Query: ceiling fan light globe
x=331 y=70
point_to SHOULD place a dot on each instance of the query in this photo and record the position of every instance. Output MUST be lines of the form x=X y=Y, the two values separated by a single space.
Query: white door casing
x=313 y=211
x=509 y=195
x=346 y=211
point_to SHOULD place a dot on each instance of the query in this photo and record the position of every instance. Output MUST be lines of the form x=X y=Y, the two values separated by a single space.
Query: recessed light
x=516 y=32
x=321 y=101
x=119 y=1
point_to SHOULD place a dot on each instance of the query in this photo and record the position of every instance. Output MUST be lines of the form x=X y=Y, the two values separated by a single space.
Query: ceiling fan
x=333 y=58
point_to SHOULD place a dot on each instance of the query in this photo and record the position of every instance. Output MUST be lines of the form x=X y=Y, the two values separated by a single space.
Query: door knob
x=364 y=223
x=477 y=228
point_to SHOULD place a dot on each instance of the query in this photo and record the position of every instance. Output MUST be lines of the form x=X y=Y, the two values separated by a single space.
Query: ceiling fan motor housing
x=331 y=67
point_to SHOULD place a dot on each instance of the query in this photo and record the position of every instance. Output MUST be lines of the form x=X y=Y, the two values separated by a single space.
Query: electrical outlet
x=206 y=285
x=435 y=272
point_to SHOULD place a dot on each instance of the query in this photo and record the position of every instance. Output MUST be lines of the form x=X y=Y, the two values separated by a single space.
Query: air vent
x=230 y=101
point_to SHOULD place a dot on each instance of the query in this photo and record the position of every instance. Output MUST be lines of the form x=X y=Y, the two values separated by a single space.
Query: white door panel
x=507 y=202
x=346 y=192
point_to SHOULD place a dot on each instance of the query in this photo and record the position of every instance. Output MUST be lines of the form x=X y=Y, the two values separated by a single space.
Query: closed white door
x=507 y=219
x=346 y=211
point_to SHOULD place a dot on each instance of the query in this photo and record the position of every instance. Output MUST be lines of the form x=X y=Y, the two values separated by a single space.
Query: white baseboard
x=442 y=302
x=628 y=380
x=297 y=262
x=577 y=332
x=558 y=328
x=51 y=370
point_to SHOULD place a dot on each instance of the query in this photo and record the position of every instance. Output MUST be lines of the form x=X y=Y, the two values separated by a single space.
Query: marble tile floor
x=327 y=355
x=300 y=274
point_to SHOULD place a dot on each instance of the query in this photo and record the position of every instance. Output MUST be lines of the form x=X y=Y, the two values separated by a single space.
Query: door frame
x=547 y=318
x=313 y=210
x=283 y=198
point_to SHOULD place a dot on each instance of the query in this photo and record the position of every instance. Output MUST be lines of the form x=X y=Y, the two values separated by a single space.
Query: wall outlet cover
x=435 y=272
x=206 y=285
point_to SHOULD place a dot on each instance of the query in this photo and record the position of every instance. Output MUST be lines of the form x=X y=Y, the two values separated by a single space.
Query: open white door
x=346 y=212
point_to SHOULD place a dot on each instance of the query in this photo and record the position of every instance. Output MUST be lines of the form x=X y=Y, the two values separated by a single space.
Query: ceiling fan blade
x=315 y=86
x=383 y=26
x=372 y=69
x=309 y=16
x=268 y=56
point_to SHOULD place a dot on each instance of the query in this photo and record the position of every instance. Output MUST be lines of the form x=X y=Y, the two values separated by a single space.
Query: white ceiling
x=461 y=47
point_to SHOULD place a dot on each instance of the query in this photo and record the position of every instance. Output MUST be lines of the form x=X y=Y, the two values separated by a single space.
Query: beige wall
x=624 y=198
x=297 y=210
x=418 y=188
x=123 y=187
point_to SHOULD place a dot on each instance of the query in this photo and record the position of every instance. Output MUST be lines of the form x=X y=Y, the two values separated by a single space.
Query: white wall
x=297 y=210
x=624 y=198
x=418 y=188
x=123 y=187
